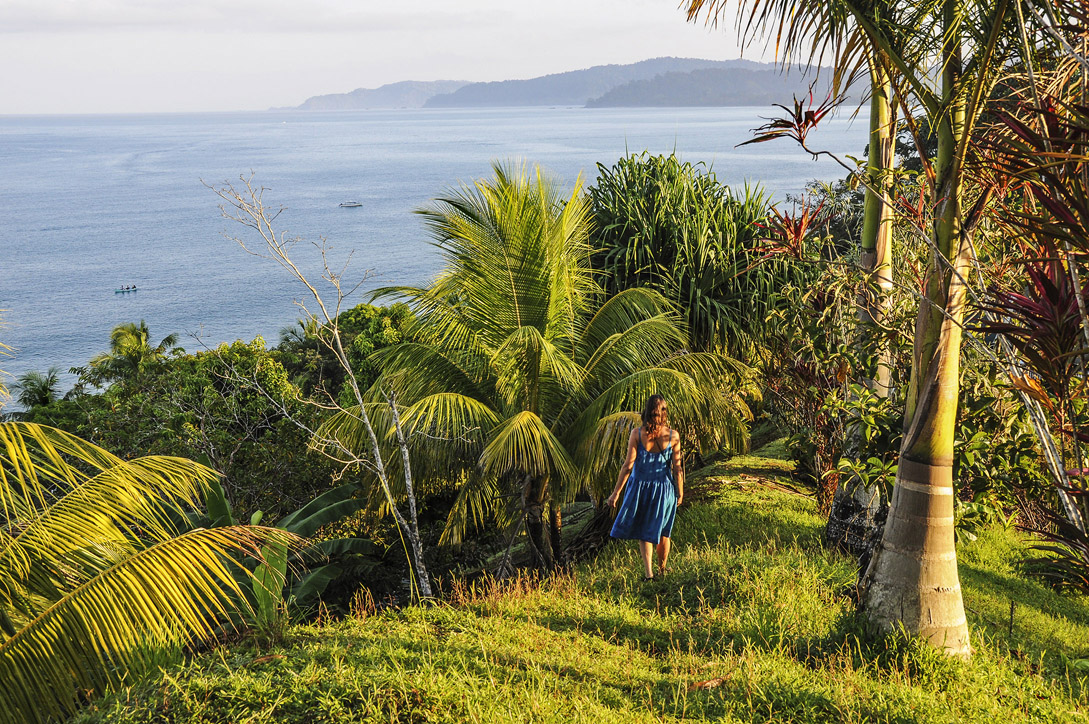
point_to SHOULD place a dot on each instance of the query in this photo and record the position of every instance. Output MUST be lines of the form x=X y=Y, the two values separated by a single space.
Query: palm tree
x=523 y=367
x=131 y=353
x=912 y=579
x=98 y=568
x=35 y=389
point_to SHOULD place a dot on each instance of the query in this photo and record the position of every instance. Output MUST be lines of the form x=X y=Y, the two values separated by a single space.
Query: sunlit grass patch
x=751 y=624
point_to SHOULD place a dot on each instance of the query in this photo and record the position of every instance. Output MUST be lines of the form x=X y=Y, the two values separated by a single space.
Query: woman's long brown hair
x=649 y=422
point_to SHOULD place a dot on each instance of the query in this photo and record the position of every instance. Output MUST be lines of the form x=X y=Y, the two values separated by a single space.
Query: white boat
x=350 y=204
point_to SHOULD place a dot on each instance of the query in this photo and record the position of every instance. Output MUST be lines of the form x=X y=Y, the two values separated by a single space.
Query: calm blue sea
x=91 y=203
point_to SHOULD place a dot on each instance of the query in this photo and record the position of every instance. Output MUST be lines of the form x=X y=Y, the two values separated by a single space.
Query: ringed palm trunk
x=852 y=522
x=912 y=579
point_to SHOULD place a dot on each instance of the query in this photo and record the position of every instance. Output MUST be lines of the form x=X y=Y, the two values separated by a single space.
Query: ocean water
x=91 y=203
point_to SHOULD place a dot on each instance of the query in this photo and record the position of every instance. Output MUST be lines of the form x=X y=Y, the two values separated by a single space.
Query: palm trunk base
x=593 y=537
x=912 y=581
x=555 y=539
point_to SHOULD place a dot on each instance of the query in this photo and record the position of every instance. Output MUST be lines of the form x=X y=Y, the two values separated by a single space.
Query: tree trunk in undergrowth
x=534 y=506
x=856 y=515
x=555 y=528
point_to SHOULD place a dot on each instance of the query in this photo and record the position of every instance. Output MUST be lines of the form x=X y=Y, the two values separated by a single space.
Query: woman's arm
x=678 y=467
x=625 y=470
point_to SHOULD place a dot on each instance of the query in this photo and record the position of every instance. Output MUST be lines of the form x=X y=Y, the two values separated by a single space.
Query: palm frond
x=58 y=491
x=141 y=493
x=621 y=312
x=450 y=416
x=604 y=449
x=176 y=591
x=479 y=499
x=523 y=444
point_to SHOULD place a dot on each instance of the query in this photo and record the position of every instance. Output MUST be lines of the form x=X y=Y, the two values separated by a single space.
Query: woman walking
x=654 y=479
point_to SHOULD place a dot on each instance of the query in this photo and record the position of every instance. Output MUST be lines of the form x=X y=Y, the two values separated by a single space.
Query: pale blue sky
x=101 y=56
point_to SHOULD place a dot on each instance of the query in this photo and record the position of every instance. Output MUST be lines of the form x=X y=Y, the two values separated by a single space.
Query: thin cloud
x=239 y=16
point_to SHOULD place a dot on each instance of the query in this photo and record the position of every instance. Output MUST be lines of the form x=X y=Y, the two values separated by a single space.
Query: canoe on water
x=124 y=291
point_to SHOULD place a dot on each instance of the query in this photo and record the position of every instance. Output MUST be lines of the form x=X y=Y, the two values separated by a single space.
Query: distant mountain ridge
x=573 y=88
x=405 y=94
x=711 y=87
x=655 y=82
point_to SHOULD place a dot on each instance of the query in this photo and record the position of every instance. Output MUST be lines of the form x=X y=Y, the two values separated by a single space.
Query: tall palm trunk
x=853 y=521
x=912 y=579
x=876 y=243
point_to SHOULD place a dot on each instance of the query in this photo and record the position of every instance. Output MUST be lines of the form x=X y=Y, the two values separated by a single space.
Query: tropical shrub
x=233 y=404
x=363 y=330
x=671 y=226
x=293 y=579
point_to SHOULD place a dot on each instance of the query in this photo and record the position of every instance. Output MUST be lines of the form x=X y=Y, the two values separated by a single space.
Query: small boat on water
x=350 y=204
x=124 y=291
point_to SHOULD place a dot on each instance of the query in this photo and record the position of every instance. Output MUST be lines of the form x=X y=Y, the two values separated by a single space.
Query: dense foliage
x=99 y=569
x=671 y=226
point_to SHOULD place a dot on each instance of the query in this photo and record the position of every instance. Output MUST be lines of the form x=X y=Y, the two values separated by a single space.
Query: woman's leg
x=645 y=550
x=663 y=552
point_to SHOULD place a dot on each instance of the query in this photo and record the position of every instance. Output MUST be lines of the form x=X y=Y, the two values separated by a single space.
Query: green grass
x=751 y=625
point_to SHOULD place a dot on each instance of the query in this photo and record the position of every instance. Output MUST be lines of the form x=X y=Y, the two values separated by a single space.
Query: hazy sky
x=101 y=56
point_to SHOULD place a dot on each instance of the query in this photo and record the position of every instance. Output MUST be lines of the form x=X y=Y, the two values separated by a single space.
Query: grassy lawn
x=750 y=625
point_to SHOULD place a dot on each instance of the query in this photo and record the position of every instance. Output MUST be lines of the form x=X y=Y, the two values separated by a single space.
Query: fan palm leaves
x=522 y=378
x=96 y=571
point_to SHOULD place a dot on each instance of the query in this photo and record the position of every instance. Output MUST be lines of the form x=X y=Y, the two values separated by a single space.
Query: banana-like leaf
x=355 y=555
x=334 y=547
x=327 y=508
x=310 y=586
x=269 y=580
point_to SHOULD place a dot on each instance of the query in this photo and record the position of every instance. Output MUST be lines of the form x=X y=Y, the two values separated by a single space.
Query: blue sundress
x=650 y=498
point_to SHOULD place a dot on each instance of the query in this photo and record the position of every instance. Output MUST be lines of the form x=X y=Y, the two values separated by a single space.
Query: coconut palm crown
x=521 y=379
x=130 y=353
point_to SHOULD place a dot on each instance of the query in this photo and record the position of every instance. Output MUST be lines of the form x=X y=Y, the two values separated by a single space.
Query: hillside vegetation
x=710 y=87
x=751 y=624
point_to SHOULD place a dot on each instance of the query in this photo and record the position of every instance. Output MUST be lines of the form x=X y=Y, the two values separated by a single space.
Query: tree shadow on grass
x=1032 y=602
x=750 y=521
